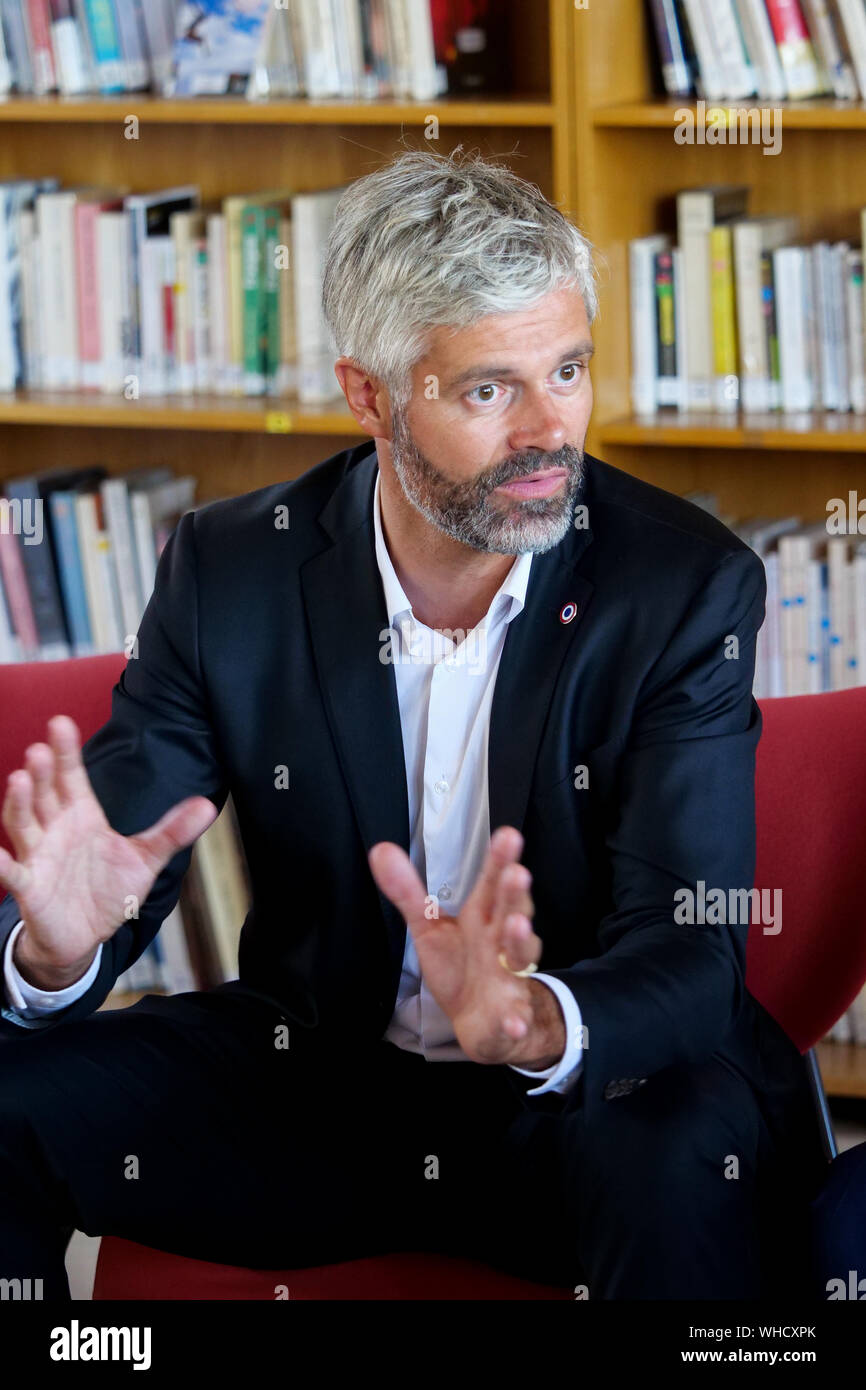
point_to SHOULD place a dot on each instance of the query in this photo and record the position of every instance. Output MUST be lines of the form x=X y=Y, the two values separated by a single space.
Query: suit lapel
x=346 y=611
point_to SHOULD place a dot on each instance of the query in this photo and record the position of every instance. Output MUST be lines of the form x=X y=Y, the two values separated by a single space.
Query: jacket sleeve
x=662 y=991
x=157 y=747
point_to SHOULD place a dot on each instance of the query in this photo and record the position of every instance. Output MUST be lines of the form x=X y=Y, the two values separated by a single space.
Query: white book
x=853 y=16
x=752 y=235
x=826 y=386
x=758 y=33
x=218 y=284
x=855 y=328
x=321 y=72
x=31 y=318
x=312 y=215
x=838 y=263
x=153 y=346
x=816 y=580
x=838 y=549
x=681 y=330
x=70 y=57
x=840 y=73
x=185 y=228
x=342 y=50
x=112 y=239
x=55 y=220
x=644 y=334
x=791 y=275
x=198 y=278
x=711 y=79
x=5 y=70
x=423 y=77
x=118 y=520
x=99 y=605
x=739 y=78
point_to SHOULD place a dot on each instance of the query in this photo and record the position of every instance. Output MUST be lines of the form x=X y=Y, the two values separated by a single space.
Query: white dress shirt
x=445 y=691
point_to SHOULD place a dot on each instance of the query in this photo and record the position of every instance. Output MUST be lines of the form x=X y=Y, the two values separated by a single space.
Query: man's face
x=514 y=400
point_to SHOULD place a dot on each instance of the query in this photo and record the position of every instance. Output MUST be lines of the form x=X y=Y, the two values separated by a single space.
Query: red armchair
x=811 y=814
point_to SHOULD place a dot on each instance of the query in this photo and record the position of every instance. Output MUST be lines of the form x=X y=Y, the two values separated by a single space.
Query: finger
x=396 y=876
x=178 y=828
x=512 y=896
x=40 y=764
x=13 y=876
x=518 y=945
x=506 y=846
x=23 y=828
x=71 y=781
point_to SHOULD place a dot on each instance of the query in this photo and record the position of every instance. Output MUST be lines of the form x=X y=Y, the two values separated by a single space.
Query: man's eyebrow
x=483 y=373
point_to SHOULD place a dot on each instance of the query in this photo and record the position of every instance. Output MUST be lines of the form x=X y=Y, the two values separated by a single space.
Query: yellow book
x=726 y=385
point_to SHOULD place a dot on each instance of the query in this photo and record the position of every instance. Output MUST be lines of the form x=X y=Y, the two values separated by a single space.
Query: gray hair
x=435 y=240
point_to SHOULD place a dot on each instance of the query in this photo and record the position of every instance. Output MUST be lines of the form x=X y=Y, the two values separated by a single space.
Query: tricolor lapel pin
x=568 y=612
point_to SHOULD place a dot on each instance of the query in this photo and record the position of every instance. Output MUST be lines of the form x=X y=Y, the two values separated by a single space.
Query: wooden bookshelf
x=502 y=110
x=247 y=414
x=843 y=1068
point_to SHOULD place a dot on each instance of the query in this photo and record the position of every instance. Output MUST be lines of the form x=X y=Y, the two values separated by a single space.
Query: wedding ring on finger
x=530 y=969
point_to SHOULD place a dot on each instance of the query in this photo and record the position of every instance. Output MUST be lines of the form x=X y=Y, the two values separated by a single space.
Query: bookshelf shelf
x=527 y=110
x=246 y=414
x=809 y=432
x=843 y=1068
x=817 y=114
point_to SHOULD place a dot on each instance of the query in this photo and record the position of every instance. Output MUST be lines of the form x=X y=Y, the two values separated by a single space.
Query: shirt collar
x=513 y=587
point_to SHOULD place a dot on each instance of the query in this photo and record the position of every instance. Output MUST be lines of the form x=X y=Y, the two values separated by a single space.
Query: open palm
x=74 y=877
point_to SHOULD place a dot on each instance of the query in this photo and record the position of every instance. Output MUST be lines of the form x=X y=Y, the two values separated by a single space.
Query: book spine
x=17 y=592
x=89 y=289
x=724 y=319
x=252 y=255
x=17 y=44
x=199 y=279
x=271 y=334
x=840 y=72
x=795 y=48
x=855 y=327
x=106 y=45
x=70 y=59
x=39 y=20
x=218 y=300
x=668 y=383
x=768 y=310
x=132 y=43
x=675 y=71
x=65 y=533
x=40 y=572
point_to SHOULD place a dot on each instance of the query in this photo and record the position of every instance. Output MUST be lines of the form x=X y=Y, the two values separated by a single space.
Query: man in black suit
x=467 y=626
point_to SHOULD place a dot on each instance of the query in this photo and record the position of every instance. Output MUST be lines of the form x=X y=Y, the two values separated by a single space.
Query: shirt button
x=441 y=785
x=444 y=892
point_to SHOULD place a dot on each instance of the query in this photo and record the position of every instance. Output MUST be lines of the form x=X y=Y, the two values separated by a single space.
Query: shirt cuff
x=564 y=1073
x=31 y=1002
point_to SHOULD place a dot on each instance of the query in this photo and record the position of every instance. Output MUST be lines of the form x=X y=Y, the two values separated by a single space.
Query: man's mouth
x=540 y=484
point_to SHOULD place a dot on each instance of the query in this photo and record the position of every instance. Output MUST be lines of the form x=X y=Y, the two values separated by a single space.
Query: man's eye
x=574 y=369
x=484 y=394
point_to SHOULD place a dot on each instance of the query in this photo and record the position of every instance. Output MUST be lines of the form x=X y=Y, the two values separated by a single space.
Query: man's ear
x=366 y=397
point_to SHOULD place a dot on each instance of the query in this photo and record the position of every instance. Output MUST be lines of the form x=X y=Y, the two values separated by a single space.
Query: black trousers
x=181 y=1124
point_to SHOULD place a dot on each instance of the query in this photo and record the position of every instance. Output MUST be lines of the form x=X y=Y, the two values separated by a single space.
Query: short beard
x=462 y=510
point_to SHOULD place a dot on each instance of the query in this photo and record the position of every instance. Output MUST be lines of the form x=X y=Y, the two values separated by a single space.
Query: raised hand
x=72 y=875
x=497 y=1016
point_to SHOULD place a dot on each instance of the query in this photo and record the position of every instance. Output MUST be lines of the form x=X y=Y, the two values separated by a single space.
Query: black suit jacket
x=260 y=650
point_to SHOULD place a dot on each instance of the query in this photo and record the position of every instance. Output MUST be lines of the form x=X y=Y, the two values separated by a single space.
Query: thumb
x=179 y=827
